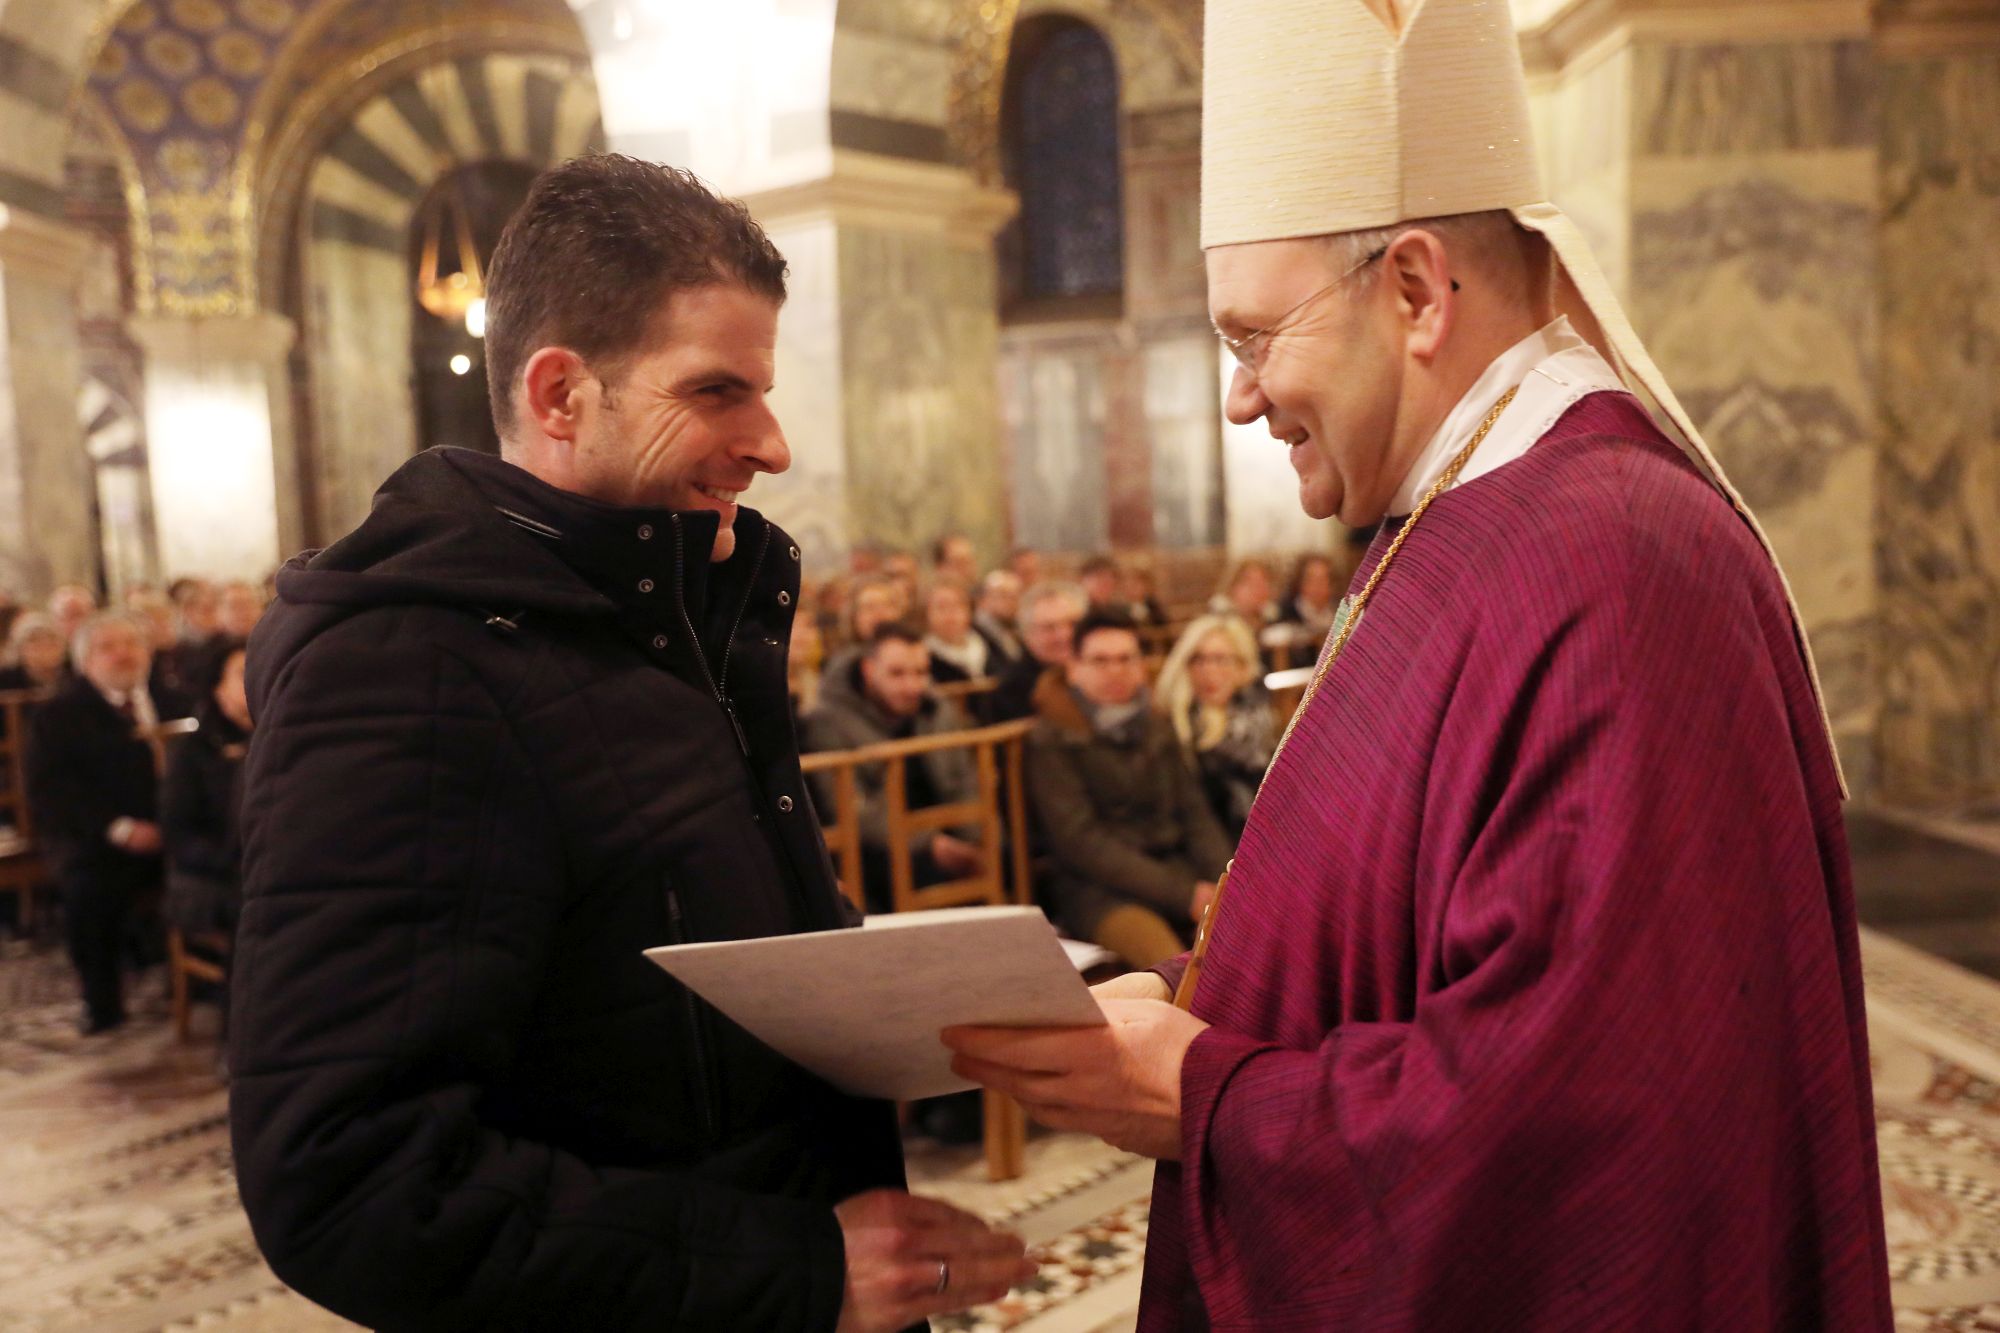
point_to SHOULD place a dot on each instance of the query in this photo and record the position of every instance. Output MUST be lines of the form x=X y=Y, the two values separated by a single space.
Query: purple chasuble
x=1537 y=991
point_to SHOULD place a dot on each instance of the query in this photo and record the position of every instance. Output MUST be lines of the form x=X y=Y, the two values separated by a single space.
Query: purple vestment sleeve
x=1547 y=1013
x=1172 y=970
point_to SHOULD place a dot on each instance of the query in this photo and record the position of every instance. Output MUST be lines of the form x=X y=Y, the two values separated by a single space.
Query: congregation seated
x=995 y=618
x=1246 y=593
x=1139 y=594
x=957 y=653
x=37 y=654
x=1049 y=615
x=1311 y=599
x=1212 y=693
x=200 y=801
x=885 y=695
x=873 y=600
x=1135 y=848
x=92 y=783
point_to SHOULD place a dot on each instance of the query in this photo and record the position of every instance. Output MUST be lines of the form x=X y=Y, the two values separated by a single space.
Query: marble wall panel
x=1055 y=404
x=47 y=535
x=919 y=339
x=1582 y=121
x=1939 y=495
x=810 y=500
x=358 y=356
x=1752 y=278
x=1182 y=425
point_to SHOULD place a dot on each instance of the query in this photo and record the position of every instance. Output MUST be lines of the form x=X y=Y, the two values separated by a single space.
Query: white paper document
x=862 y=1008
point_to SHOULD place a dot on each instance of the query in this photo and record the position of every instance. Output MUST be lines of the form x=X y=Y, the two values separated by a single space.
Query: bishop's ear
x=555 y=392
x=1419 y=272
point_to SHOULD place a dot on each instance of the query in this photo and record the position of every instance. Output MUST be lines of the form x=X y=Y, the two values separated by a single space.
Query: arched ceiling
x=195 y=90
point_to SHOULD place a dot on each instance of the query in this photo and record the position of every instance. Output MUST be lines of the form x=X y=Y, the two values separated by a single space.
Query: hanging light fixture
x=452 y=295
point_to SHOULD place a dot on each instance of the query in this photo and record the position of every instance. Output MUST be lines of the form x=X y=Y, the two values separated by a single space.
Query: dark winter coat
x=507 y=739
x=86 y=768
x=1122 y=816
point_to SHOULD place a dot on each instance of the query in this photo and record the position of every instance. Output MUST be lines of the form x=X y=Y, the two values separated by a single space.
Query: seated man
x=886 y=696
x=1049 y=612
x=1136 y=848
x=92 y=780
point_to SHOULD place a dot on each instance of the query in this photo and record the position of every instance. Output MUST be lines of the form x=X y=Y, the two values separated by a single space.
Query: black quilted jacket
x=506 y=739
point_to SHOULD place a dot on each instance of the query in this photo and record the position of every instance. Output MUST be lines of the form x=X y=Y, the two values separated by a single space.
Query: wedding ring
x=944 y=1277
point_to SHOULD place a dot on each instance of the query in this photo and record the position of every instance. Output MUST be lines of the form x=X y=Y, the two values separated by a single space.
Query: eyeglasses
x=1249 y=349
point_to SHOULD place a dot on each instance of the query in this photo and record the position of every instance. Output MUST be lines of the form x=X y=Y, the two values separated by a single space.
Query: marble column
x=1938 y=531
x=221 y=443
x=1724 y=166
x=886 y=357
x=46 y=528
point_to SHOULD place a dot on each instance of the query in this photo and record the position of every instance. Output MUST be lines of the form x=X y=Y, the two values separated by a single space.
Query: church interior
x=241 y=256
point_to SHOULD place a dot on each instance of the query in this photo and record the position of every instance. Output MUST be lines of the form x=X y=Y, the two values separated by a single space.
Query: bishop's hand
x=1121 y=1082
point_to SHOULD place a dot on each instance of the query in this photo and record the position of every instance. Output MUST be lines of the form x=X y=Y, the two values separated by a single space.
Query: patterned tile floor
x=118 y=1210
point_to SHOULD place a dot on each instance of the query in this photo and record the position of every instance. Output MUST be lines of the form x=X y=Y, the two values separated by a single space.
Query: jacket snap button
x=645 y=585
x=660 y=641
x=645 y=532
x=784 y=599
x=795 y=553
x=785 y=804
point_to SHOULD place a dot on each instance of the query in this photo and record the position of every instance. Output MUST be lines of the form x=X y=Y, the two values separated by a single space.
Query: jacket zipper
x=729 y=644
x=801 y=901
x=697 y=1026
x=701 y=654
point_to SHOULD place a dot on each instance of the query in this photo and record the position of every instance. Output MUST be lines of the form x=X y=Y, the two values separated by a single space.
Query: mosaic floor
x=118 y=1211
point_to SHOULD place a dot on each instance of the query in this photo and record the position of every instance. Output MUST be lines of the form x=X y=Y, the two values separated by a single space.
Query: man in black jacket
x=527 y=720
x=92 y=783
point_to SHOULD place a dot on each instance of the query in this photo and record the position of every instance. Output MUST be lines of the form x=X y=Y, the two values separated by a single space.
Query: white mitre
x=1329 y=116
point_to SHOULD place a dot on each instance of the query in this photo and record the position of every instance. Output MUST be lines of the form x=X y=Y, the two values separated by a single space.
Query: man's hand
x=895 y=1242
x=1204 y=898
x=1121 y=1082
x=956 y=856
x=142 y=838
x=1133 y=986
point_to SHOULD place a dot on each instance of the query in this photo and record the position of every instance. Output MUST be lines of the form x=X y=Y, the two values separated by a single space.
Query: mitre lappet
x=1328 y=116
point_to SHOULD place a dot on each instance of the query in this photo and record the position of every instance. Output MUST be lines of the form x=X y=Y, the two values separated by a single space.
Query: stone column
x=47 y=535
x=1723 y=163
x=220 y=442
x=886 y=356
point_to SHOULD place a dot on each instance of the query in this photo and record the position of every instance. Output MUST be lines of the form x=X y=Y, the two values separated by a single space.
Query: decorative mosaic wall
x=1938 y=515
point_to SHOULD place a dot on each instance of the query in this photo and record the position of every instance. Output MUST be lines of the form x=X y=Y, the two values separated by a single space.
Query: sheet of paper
x=862 y=1008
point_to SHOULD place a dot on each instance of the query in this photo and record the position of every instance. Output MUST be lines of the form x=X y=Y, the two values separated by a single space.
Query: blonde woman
x=1211 y=690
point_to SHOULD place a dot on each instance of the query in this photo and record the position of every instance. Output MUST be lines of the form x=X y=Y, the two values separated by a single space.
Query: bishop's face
x=1324 y=373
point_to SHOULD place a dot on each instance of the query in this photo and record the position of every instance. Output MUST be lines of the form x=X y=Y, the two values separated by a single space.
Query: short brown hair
x=593 y=254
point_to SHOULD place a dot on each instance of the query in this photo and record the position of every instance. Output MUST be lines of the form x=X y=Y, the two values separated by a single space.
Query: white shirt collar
x=1551 y=367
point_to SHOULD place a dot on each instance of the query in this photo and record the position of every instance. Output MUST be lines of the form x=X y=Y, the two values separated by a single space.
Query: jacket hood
x=455 y=527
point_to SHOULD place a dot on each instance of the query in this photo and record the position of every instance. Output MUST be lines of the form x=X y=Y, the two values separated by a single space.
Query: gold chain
x=1360 y=602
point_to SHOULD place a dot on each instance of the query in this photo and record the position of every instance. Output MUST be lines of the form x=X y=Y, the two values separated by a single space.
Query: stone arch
x=362 y=189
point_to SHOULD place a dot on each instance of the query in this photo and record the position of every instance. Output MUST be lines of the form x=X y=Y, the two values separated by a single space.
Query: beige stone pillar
x=220 y=442
x=887 y=355
x=46 y=532
x=1723 y=162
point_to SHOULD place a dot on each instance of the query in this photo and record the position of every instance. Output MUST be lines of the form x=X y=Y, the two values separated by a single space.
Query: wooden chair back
x=998 y=811
x=21 y=870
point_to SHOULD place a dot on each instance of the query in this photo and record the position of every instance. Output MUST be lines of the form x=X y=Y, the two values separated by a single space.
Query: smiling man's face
x=685 y=423
x=1329 y=369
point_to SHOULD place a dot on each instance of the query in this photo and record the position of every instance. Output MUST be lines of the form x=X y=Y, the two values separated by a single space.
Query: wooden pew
x=21 y=870
x=998 y=754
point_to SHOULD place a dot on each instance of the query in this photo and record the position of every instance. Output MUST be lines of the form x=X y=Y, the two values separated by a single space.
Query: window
x=1060 y=146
